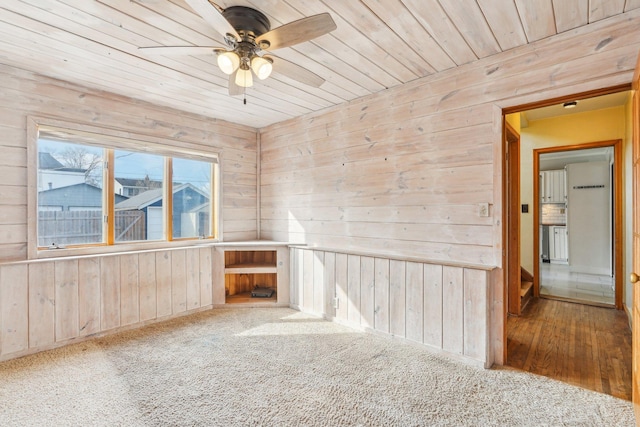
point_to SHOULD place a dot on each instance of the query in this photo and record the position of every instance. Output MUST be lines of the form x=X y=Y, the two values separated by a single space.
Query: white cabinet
x=558 y=244
x=553 y=186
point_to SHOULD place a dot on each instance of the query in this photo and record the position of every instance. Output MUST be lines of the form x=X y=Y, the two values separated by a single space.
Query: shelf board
x=246 y=298
x=250 y=269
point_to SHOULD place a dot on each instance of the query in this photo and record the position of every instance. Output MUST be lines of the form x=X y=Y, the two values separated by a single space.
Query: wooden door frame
x=512 y=146
x=505 y=199
x=635 y=247
x=618 y=243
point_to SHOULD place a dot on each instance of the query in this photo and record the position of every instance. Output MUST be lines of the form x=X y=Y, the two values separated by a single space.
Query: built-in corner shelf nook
x=252 y=271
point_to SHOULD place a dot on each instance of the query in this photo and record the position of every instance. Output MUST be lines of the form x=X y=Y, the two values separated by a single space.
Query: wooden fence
x=85 y=226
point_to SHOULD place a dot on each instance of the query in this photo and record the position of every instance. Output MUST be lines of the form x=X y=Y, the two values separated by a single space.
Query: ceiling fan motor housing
x=247 y=20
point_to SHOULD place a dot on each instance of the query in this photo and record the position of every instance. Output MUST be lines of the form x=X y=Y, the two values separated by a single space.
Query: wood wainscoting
x=447 y=308
x=54 y=302
x=49 y=303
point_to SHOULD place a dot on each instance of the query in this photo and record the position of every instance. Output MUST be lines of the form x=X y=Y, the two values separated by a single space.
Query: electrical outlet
x=336 y=303
x=483 y=209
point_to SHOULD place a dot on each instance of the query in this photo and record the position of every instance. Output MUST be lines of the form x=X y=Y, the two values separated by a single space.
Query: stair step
x=525 y=287
x=525 y=275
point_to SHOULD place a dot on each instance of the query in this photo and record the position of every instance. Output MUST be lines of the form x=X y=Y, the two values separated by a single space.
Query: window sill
x=121 y=248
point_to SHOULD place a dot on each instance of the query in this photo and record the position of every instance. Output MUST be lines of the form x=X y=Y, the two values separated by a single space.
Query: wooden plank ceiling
x=378 y=44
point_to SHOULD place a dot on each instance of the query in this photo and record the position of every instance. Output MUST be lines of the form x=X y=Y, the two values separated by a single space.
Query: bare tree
x=81 y=158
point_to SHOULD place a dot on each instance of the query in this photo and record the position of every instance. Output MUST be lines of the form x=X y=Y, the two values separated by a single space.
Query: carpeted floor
x=279 y=367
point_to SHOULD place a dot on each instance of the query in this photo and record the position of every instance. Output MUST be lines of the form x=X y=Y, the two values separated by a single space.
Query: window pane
x=191 y=192
x=139 y=196
x=70 y=193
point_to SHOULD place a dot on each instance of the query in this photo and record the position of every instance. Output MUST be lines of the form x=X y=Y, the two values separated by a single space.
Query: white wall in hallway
x=589 y=217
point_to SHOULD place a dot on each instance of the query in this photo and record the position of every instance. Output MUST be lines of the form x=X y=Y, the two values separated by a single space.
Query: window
x=139 y=181
x=70 y=194
x=191 y=194
x=144 y=196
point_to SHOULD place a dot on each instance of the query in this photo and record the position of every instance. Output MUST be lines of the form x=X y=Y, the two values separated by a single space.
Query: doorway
x=552 y=132
x=551 y=129
x=578 y=202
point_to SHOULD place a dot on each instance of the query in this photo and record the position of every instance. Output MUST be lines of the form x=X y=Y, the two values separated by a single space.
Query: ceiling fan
x=248 y=37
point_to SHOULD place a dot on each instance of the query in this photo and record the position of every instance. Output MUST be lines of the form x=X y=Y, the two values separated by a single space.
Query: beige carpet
x=279 y=367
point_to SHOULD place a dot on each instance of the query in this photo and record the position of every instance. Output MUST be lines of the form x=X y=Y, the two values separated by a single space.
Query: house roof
x=77 y=195
x=141 y=201
x=135 y=182
x=48 y=162
x=149 y=197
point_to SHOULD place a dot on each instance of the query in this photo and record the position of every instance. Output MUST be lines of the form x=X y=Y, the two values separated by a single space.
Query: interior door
x=636 y=242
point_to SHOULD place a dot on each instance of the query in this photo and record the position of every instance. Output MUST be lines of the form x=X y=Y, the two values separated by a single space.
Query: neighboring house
x=132 y=187
x=188 y=212
x=71 y=215
x=53 y=174
x=83 y=196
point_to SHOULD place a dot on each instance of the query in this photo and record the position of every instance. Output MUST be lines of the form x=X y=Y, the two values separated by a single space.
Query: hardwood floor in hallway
x=582 y=345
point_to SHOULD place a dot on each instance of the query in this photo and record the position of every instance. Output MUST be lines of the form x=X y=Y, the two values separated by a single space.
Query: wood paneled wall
x=24 y=94
x=402 y=172
x=444 y=307
x=399 y=174
x=49 y=303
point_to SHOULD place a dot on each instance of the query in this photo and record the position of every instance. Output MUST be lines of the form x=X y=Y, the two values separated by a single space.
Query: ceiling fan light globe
x=228 y=62
x=244 y=78
x=262 y=67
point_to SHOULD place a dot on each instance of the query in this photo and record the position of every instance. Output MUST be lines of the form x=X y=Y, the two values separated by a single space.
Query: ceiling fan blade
x=213 y=16
x=180 y=50
x=234 y=89
x=298 y=31
x=296 y=72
